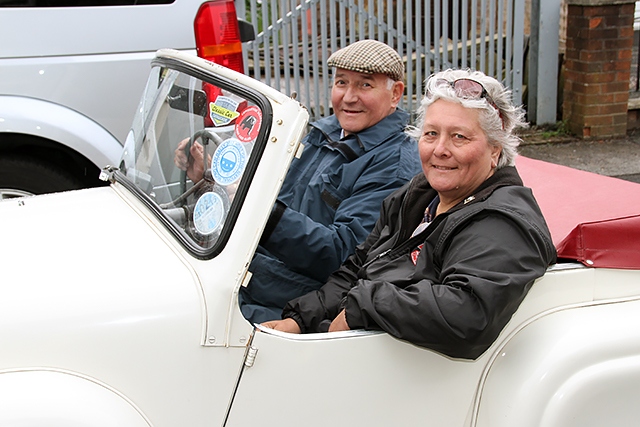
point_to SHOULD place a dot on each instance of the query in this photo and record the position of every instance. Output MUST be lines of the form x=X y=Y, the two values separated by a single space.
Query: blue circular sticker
x=229 y=162
x=208 y=215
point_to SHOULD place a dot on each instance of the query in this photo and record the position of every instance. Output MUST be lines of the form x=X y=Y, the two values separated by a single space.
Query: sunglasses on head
x=470 y=89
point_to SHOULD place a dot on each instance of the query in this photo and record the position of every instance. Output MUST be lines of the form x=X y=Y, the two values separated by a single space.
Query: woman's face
x=455 y=153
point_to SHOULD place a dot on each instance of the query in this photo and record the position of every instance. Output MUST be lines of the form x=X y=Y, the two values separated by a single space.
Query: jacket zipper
x=375 y=258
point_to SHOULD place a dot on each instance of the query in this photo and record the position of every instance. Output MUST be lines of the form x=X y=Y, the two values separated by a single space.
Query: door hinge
x=251 y=356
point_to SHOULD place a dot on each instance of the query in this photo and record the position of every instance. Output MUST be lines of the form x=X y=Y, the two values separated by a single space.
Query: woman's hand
x=290 y=325
x=285 y=325
x=339 y=323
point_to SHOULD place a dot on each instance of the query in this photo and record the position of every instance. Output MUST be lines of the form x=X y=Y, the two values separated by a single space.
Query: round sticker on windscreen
x=229 y=162
x=208 y=215
x=248 y=124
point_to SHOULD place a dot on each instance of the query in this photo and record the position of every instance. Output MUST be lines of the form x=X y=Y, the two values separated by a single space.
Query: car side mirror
x=179 y=97
x=247 y=32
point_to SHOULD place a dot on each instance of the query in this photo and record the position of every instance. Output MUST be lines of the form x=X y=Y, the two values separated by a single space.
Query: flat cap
x=369 y=57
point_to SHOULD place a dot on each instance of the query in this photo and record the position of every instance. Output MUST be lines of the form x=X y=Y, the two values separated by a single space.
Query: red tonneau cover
x=593 y=219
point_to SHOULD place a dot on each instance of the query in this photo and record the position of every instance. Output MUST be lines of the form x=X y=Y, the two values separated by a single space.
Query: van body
x=71 y=76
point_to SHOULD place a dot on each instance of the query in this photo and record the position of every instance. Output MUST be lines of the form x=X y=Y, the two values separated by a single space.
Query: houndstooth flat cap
x=369 y=56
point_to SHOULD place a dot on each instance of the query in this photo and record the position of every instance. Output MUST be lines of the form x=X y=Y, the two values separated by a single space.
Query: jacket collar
x=366 y=139
x=420 y=187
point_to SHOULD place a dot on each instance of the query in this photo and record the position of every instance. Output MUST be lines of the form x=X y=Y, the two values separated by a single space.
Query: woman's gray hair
x=498 y=125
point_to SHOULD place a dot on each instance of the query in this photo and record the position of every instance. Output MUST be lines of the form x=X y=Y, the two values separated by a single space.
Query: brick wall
x=597 y=67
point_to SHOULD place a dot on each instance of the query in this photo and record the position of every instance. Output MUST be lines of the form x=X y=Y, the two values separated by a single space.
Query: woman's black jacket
x=451 y=288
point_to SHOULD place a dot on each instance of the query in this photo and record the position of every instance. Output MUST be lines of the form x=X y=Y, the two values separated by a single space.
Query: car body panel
x=351 y=379
x=141 y=336
x=53 y=398
x=575 y=366
x=387 y=378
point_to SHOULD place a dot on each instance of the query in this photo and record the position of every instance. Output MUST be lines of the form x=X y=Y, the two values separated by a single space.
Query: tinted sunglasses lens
x=468 y=88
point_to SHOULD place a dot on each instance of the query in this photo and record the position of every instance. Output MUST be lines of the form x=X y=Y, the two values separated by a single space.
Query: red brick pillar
x=597 y=67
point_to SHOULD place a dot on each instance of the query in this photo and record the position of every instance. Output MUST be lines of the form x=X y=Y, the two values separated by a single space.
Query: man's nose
x=350 y=94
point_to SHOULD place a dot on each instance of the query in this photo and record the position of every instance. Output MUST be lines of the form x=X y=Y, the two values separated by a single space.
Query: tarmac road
x=613 y=157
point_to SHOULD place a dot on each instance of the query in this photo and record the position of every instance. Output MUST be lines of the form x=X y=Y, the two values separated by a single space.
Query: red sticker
x=248 y=124
x=415 y=254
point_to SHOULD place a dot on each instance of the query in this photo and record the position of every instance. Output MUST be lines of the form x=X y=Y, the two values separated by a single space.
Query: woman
x=455 y=251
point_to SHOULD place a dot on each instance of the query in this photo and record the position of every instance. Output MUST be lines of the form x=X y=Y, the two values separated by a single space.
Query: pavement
x=619 y=157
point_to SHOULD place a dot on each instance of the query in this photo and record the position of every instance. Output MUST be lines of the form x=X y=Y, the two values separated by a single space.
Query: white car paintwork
x=61 y=399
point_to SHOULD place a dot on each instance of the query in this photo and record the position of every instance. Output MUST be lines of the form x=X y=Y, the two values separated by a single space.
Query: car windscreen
x=192 y=150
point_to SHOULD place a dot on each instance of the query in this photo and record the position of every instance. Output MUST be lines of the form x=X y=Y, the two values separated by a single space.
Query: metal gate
x=294 y=39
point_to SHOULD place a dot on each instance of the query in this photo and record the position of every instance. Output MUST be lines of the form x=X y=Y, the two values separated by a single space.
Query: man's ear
x=397 y=91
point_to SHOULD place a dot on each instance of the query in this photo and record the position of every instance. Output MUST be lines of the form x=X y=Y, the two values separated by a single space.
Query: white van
x=73 y=71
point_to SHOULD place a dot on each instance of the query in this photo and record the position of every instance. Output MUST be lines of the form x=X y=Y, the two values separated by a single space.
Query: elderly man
x=331 y=196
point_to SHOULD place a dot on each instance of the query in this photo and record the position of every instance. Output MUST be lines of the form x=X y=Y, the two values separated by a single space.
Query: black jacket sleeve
x=314 y=311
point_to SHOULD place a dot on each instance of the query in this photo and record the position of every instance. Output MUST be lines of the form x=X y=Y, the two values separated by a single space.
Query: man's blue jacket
x=331 y=196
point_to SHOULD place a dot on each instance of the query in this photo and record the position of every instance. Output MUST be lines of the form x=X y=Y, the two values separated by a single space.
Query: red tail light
x=217 y=34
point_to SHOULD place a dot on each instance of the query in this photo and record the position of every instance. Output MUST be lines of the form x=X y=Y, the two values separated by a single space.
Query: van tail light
x=218 y=35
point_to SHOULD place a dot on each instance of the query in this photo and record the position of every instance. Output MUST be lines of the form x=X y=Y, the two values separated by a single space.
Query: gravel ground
x=612 y=157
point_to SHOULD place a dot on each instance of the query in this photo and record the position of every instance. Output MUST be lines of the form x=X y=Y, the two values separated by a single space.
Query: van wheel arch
x=35 y=165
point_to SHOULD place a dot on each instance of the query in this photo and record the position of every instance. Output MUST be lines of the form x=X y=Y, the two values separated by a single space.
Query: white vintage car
x=118 y=305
